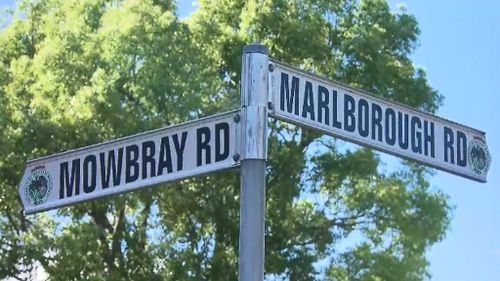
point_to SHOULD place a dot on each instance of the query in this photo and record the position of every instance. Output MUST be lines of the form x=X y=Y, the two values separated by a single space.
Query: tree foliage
x=73 y=73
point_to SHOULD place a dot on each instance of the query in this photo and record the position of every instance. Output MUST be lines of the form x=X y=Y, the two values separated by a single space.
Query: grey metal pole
x=254 y=97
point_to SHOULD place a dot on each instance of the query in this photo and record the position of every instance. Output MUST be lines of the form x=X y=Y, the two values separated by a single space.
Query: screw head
x=236 y=118
x=270 y=105
x=236 y=157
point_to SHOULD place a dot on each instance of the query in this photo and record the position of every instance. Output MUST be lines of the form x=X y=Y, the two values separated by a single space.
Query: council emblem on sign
x=479 y=156
x=38 y=186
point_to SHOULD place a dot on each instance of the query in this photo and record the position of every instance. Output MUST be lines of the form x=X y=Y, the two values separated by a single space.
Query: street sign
x=218 y=142
x=193 y=148
x=308 y=100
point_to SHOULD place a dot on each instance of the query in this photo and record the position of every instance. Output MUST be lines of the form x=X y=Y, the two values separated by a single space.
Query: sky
x=459 y=49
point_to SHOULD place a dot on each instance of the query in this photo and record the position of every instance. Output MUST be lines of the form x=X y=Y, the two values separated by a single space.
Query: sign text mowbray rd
x=308 y=100
x=149 y=158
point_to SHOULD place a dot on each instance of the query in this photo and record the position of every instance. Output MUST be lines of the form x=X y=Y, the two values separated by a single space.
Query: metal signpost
x=239 y=137
x=254 y=89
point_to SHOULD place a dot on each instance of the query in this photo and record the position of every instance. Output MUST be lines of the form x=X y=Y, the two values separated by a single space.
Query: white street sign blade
x=193 y=148
x=308 y=100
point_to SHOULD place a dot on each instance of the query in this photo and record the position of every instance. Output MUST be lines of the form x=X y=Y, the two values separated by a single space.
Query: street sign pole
x=254 y=97
x=206 y=145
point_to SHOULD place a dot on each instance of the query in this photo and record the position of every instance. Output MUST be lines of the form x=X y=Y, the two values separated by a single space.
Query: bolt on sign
x=308 y=100
x=194 y=148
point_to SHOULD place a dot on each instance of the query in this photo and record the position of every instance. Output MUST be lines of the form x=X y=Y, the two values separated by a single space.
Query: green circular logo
x=38 y=187
x=478 y=156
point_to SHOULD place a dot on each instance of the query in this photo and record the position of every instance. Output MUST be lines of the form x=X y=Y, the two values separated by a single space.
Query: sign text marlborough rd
x=356 y=116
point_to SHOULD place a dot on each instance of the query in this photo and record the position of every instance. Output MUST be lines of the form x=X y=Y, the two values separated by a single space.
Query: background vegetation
x=74 y=73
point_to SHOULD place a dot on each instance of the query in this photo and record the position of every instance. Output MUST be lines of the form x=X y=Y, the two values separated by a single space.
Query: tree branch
x=102 y=223
x=11 y=221
x=100 y=218
x=117 y=235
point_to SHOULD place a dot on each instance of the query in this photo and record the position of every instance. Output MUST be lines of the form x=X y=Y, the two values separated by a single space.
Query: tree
x=74 y=73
